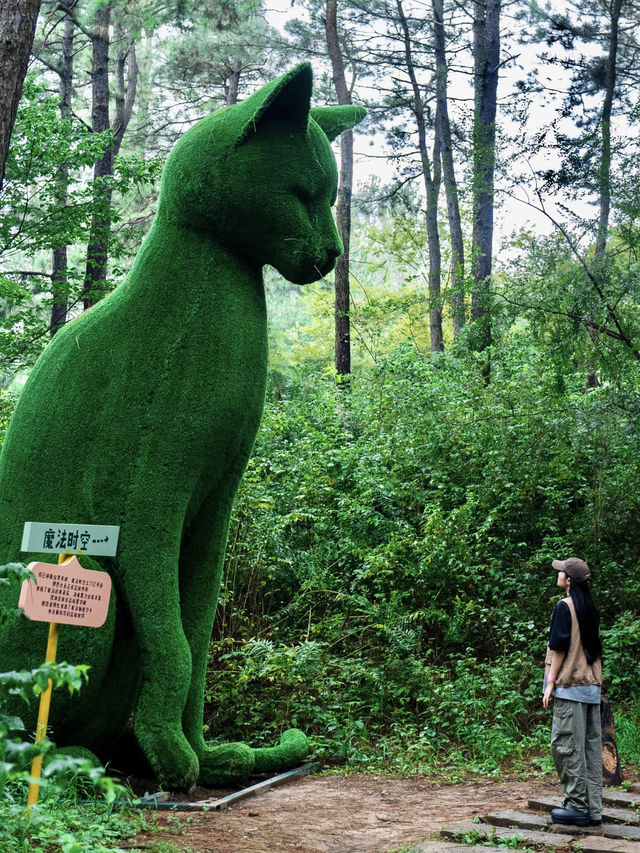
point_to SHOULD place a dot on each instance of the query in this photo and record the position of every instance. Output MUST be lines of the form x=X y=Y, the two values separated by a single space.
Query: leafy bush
x=61 y=825
x=7 y=403
x=391 y=547
x=58 y=821
x=352 y=706
x=622 y=659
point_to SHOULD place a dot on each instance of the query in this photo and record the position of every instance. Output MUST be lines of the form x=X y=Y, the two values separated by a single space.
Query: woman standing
x=573 y=676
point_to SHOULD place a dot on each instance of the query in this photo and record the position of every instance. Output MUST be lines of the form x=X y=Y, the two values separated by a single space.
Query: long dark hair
x=588 y=619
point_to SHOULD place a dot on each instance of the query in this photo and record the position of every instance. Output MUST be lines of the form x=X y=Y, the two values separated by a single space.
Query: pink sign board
x=67 y=594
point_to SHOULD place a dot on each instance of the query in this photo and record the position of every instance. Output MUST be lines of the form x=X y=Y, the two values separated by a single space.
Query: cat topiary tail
x=225 y=764
x=293 y=749
x=335 y=120
x=233 y=762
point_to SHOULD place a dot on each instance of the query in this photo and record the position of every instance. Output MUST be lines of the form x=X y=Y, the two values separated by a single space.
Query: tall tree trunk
x=443 y=129
x=233 y=83
x=343 y=208
x=432 y=190
x=59 y=287
x=486 y=49
x=98 y=248
x=17 y=28
x=125 y=91
x=144 y=57
x=432 y=187
x=605 y=157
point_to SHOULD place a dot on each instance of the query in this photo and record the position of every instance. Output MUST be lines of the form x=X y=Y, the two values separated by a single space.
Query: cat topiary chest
x=195 y=321
x=200 y=306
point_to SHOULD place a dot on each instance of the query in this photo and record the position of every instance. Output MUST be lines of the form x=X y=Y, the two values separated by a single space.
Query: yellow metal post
x=43 y=712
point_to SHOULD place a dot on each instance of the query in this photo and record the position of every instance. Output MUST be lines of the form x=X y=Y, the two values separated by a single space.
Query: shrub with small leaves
x=58 y=821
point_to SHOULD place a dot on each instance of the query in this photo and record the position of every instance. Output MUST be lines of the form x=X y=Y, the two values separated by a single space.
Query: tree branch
x=68 y=9
x=585 y=321
x=25 y=273
x=620 y=335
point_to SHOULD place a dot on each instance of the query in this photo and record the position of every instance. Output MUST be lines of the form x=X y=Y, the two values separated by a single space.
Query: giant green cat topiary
x=142 y=413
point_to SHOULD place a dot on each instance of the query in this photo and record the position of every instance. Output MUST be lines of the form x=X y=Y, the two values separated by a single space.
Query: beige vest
x=575 y=669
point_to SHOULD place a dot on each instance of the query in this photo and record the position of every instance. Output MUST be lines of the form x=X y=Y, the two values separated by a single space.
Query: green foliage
x=622 y=659
x=59 y=821
x=209 y=53
x=388 y=263
x=380 y=704
x=582 y=311
x=391 y=546
x=7 y=403
x=627 y=723
x=60 y=825
x=167 y=847
x=33 y=221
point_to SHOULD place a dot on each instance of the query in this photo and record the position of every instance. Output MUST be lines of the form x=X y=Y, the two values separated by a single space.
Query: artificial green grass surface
x=142 y=412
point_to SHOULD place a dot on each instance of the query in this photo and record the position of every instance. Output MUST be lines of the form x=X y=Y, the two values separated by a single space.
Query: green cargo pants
x=576 y=747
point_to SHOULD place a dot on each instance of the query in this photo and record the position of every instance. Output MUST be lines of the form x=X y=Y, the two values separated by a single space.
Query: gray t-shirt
x=587 y=693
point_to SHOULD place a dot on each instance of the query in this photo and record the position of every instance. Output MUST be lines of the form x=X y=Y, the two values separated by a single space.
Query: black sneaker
x=569 y=817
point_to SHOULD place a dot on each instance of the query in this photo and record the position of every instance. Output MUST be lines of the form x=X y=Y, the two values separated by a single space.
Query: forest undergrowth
x=388 y=585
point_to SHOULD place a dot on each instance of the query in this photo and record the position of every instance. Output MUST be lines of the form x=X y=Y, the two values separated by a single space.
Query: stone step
x=600 y=844
x=522 y=820
x=588 y=844
x=526 y=821
x=608 y=830
x=616 y=797
x=450 y=847
x=609 y=815
x=497 y=834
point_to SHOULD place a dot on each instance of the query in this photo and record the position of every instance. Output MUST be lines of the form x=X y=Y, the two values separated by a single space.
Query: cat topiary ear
x=288 y=97
x=335 y=120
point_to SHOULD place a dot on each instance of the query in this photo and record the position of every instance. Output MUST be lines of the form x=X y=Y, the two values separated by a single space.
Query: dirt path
x=341 y=814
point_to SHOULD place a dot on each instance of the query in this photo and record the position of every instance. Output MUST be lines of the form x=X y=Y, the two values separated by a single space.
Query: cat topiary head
x=260 y=178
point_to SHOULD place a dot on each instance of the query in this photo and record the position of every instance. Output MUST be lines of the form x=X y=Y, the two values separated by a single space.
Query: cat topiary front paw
x=293 y=748
x=170 y=756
